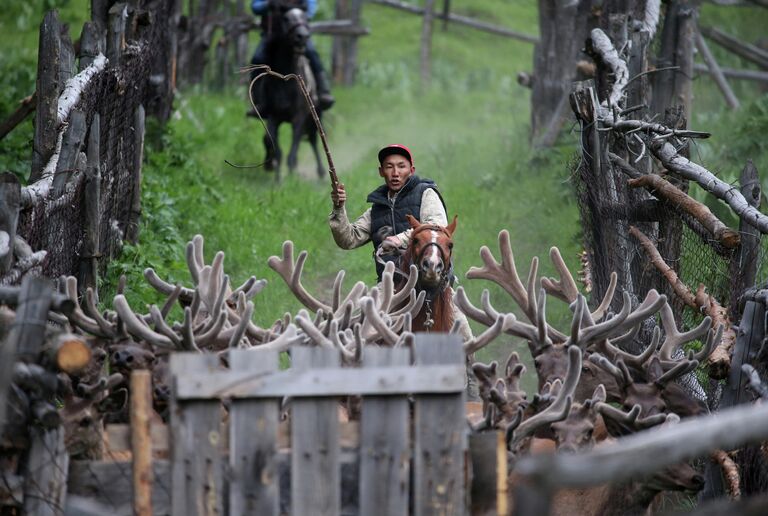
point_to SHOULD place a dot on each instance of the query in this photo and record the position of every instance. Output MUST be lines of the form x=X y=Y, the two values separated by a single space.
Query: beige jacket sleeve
x=432 y=212
x=350 y=235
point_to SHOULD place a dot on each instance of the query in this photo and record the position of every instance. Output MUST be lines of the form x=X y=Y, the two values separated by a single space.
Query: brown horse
x=430 y=249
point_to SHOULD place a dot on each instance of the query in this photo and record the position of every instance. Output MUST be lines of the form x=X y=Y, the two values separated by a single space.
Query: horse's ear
x=412 y=221
x=452 y=226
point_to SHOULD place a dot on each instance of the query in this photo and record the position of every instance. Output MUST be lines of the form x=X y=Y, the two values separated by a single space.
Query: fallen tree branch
x=730 y=473
x=600 y=46
x=26 y=107
x=685 y=168
x=719 y=361
x=663 y=189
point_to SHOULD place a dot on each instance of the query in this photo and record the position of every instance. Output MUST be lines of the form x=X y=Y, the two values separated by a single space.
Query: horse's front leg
x=312 y=137
x=293 y=154
x=272 y=161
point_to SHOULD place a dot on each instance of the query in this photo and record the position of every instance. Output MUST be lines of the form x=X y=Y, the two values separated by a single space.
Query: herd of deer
x=589 y=390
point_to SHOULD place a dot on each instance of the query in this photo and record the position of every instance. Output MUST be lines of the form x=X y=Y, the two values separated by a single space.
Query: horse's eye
x=450 y=245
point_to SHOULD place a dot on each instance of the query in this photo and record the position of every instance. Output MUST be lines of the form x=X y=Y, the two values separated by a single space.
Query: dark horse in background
x=284 y=100
x=430 y=250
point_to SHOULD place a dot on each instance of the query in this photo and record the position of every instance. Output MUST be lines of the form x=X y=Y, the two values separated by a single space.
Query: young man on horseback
x=385 y=223
x=270 y=12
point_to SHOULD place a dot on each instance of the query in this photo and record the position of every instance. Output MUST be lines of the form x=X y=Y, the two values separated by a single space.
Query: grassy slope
x=469 y=133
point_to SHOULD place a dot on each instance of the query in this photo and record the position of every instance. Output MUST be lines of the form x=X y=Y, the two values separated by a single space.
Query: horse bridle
x=445 y=276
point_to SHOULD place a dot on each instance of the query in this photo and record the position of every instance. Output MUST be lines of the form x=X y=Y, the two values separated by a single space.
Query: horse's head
x=296 y=27
x=430 y=249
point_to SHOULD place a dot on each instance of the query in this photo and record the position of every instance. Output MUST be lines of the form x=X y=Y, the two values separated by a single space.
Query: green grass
x=468 y=132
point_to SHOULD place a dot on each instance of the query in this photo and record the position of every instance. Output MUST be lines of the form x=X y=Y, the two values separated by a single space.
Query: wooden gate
x=411 y=458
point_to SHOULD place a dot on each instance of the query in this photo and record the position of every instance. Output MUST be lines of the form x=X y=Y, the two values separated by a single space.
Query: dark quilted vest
x=386 y=213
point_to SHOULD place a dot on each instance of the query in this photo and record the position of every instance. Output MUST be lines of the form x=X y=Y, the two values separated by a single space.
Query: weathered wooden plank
x=72 y=144
x=253 y=481
x=744 y=265
x=10 y=201
x=45 y=475
x=385 y=449
x=324 y=382
x=141 y=442
x=315 y=477
x=108 y=484
x=90 y=44
x=28 y=332
x=440 y=439
x=118 y=15
x=67 y=57
x=132 y=230
x=196 y=471
x=489 y=479
x=48 y=88
x=89 y=266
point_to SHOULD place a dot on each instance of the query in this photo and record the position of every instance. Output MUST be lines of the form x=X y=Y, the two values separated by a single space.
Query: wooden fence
x=411 y=451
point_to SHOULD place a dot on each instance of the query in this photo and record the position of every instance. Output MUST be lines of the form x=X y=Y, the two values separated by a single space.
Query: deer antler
x=290 y=271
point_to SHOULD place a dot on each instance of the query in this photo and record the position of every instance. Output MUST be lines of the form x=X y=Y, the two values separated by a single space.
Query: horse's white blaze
x=434 y=257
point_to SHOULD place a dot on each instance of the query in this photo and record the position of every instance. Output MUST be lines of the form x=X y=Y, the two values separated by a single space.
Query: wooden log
x=462 y=20
x=384 y=443
x=48 y=88
x=196 y=440
x=91 y=44
x=66 y=352
x=45 y=475
x=716 y=73
x=744 y=50
x=439 y=429
x=118 y=16
x=141 y=442
x=89 y=255
x=425 y=52
x=10 y=202
x=743 y=268
x=327 y=381
x=663 y=189
x=734 y=73
x=72 y=144
x=315 y=471
x=26 y=107
x=132 y=229
x=254 y=482
x=645 y=452
x=683 y=167
x=719 y=360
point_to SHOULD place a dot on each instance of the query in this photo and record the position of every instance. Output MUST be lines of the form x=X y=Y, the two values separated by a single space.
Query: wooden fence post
x=744 y=263
x=91 y=44
x=141 y=442
x=100 y=12
x=315 y=471
x=196 y=462
x=446 y=13
x=28 y=332
x=89 y=265
x=132 y=229
x=439 y=429
x=45 y=478
x=66 y=57
x=48 y=88
x=10 y=202
x=72 y=143
x=384 y=443
x=118 y=15
x=253 y=455
x=344 y=47
x=425 y=55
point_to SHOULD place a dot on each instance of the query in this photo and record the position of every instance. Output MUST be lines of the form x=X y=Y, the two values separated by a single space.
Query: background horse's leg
x=312 y=137
x=297 y=125
x=272 y=146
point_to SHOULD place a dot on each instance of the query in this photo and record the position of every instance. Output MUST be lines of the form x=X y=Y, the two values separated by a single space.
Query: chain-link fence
x=117 y=93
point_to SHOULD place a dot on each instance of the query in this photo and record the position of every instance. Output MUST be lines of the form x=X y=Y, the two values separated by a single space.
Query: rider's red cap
x=395 y=148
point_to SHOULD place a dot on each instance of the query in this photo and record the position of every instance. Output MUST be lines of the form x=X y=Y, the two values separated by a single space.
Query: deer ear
x=655 y=371
x=452 y=226
x=412 y=221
